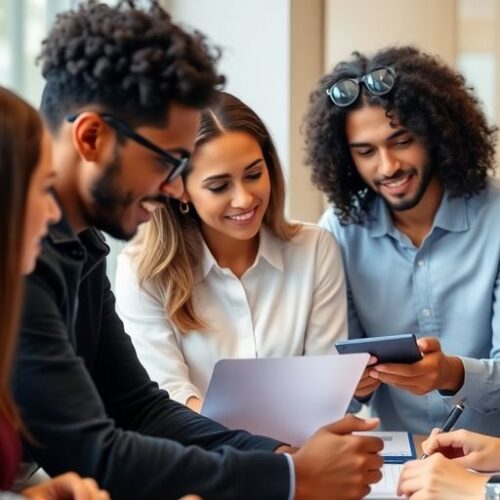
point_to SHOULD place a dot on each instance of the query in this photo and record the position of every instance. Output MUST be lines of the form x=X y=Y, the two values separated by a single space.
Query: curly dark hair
x=429 y=99
x=130 y=61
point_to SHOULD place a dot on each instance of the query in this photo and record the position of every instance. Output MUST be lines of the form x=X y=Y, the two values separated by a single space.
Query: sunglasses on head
x=345 y=91
x=177 y=165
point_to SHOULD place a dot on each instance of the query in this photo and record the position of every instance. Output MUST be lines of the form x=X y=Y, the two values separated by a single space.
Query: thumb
x=429 y=344
x=350 y=423
x=432 y=442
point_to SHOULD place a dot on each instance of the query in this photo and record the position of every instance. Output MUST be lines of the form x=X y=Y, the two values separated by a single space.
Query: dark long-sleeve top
x=91 y=407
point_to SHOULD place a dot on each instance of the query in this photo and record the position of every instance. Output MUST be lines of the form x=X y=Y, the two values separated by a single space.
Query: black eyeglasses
x=378 y=82
x=178 y=165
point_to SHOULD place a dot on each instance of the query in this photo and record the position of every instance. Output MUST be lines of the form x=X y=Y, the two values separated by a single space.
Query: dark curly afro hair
x=130 y=61
x=429 y=99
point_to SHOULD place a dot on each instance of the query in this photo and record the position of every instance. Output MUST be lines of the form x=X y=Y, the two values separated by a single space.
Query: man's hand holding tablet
x=387 y=349
x=418 y=366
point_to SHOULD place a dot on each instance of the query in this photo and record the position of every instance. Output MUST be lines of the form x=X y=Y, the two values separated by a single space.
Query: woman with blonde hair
x=26 y=208
x=221 y=273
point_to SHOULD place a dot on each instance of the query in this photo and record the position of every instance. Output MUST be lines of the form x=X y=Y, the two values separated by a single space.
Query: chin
x=29 y=267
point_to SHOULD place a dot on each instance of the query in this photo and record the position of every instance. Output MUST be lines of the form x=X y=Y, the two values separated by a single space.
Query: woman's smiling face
x=229 y=186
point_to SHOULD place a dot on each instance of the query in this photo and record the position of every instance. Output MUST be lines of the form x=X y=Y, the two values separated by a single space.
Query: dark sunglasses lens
x=344 y=92
x=380 y=81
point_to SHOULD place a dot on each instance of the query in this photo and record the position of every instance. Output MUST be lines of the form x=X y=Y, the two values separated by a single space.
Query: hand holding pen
x=450 y=421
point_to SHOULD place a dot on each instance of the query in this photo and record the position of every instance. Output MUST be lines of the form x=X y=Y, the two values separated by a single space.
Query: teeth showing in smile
x=242 y=217
x=150 y=206
x=397 y=183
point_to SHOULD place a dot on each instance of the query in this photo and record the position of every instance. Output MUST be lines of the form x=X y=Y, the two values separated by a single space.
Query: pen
x=451 y=420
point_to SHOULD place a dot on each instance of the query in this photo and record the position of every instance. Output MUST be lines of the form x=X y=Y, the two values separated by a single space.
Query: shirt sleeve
x=152 y=334
x=102 y=417
x=481 y=387
x=328 y=315
x=330 y=222
x=291 y=467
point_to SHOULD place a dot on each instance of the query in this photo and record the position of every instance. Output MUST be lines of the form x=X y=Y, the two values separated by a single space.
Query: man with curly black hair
x=402 y=150
x=123 y=99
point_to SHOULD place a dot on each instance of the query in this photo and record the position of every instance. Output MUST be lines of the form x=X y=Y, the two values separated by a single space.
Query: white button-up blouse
x=290 y=302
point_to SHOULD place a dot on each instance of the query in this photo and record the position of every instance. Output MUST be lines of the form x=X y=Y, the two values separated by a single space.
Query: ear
x=185 y=198
x=92 y=138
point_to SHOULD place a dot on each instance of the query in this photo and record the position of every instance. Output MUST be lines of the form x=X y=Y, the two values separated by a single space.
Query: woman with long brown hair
x=26 y=208
x=222 y=273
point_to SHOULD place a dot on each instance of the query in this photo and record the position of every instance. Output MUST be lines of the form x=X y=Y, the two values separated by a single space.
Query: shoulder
x=312 y=243
x=312 y=235
x=126 y=276
x=128 y=286
x=488 y=200
x=331 y=222
x=492 y=190
x=49 y=274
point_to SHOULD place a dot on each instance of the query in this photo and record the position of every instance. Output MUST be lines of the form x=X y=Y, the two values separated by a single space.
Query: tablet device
x=388 y=349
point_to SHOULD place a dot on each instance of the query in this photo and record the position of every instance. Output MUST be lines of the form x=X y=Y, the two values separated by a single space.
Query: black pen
x=451 y=420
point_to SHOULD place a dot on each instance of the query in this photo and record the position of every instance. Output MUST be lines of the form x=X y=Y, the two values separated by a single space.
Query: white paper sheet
x=386 y=488
x=284 y=398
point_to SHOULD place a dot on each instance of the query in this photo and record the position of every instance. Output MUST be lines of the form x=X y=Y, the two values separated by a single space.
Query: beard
x=110 y=203
x=409 y=203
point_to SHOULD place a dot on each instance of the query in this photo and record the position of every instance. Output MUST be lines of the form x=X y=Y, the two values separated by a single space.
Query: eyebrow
x=225 y=176
x=394 y=135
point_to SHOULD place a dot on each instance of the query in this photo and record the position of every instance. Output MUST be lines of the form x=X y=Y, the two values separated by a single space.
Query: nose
x=54 y=212
x=389 y=163
x=173 y=189
x=242 y=198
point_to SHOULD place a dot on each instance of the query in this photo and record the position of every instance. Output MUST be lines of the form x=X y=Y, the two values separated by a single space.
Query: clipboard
x=399 y=447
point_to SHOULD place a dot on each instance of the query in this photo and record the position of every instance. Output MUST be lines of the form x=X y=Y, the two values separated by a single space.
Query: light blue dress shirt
x=447 y=288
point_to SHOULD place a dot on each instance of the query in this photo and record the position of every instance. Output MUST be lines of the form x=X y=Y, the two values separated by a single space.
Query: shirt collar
x=270 y=249
x=62 y=234
x=451 y=216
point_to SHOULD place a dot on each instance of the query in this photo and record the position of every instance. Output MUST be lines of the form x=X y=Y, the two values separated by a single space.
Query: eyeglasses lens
x=380 y=81
x=344 y=92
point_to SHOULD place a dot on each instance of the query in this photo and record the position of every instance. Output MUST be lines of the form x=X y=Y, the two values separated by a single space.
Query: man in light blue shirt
x=403 y=151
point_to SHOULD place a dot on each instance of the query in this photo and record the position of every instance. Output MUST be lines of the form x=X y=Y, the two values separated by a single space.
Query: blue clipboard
x=403 y=457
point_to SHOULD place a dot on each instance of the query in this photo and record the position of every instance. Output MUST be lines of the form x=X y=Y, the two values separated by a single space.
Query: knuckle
x=72 y=476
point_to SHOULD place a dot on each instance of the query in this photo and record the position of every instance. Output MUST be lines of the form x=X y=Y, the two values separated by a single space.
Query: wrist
x=454 y=374
x=286 y=448
x=301 y=489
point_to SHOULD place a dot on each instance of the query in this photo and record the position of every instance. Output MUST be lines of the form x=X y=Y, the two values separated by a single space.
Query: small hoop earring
x=184 y=208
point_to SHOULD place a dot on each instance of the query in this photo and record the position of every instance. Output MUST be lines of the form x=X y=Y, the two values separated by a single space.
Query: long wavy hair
x=169 y=247
x=20 y=137
x=429 y=99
